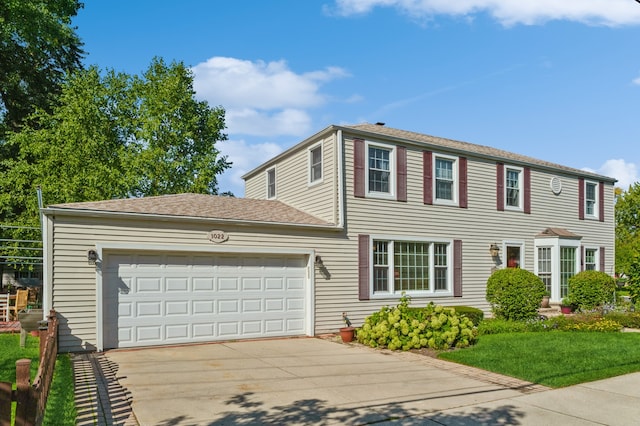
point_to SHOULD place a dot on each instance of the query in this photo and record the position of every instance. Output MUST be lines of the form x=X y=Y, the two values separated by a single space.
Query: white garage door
x=158 y=299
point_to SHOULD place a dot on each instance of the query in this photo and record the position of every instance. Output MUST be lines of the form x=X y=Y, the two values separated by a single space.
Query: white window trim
x=596 y=205
x=596 y=249
x=275 y=185
x=391 y=195
x=555 y=243
x=403 y=238
x=520 y=171
x=310 y=164
x=456 y=177
x=513 y=243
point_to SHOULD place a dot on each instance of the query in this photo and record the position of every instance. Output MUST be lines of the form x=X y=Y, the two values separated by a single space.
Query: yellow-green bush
x=515 y=294
x=434 y=326
x=590 y=289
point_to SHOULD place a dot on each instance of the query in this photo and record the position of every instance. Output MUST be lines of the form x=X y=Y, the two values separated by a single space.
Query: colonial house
x=345 y=221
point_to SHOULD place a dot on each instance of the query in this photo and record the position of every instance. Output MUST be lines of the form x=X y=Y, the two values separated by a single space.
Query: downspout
x=341 y=195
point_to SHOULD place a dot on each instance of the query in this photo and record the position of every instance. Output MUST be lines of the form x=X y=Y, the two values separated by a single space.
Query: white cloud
x=626 y=173
x=259 y=123
x=636 y=81
x=509 y=12
x=262 y=98
x=237 y=152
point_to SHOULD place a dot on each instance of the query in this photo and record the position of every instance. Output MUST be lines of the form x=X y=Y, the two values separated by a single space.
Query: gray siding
x=292 y=181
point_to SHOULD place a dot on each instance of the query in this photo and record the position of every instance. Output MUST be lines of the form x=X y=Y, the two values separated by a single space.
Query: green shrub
x=474 y=314
x=590 y=289
x=626 y=319
x=514 y=294
x=633 y=280
x=403 y=328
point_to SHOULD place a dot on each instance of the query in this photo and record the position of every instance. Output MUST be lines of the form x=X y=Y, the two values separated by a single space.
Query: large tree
x=114 y=135
x=628 y=228
x=38 y=47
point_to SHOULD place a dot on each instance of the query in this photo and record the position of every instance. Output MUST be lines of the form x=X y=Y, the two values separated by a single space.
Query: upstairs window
x=380 y=170
x=315 y=164
x=271 y=183
x=513 y=188
x=445 y=179
x=591 y=199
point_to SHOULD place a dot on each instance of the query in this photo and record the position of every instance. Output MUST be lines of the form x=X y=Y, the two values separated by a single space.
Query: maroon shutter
x=500 y=186
x=363 y=267
x=527 y=190
x=358 y=168
x=457 y=268
x=602 y=259
x=601 y=201
x=581 y=198
x=582 y=258
x=401 y=173
x=427 y=177
x=463 y=182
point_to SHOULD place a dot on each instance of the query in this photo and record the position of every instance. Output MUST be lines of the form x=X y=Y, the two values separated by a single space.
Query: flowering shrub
x=402 y=328
x=599 y=325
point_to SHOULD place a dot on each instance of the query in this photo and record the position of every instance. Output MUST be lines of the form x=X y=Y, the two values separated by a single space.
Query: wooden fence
x=31 y=399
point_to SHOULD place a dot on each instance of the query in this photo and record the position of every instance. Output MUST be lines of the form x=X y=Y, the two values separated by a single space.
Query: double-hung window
x=445 y=182
x=411 y=266
x=556 y=260
x=380 y=170
x=590 y=256
x=271 y=183
x=513 y=188
x=315 y=164
x=544 y=266
x=591 y=200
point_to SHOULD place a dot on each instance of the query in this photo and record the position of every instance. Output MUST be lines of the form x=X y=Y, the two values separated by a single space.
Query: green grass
x=10 y=352
x=556 y=358
x=60 y=405
x=61 y=408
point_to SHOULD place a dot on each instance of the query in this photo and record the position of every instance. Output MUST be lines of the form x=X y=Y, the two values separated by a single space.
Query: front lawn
x=555 y=358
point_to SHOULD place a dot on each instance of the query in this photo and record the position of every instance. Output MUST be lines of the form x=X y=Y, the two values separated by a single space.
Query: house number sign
x=218 y=236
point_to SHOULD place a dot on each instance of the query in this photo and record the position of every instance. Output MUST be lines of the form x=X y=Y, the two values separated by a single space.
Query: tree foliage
x=38 y=47
x=627 y=228
x=113 y=136
x=591 y=289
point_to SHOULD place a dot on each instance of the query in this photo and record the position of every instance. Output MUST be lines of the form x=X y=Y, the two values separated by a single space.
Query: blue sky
x=556 y=80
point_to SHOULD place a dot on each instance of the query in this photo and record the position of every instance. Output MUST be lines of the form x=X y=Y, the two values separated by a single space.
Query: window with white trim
x=513 y=188
x=271 y=183
x=380 y=170
x=315 y=164
x=445 y=179
x=590 y=259
x=591 y=199
x=567 y=268
x=544 y=266
x=411 y=266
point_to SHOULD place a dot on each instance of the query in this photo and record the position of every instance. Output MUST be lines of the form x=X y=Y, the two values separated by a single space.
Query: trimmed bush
x=591 y=289
x=626 y=319
x=434 y=326
x=474 y=314
x=514 y=294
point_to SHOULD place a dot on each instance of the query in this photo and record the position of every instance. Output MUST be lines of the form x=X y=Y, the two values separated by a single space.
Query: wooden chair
x=22 y=296
x=4 y=307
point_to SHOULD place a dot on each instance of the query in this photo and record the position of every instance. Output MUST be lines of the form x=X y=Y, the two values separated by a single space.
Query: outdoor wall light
x=494 y=250
x=92 y=256
x=319 y=261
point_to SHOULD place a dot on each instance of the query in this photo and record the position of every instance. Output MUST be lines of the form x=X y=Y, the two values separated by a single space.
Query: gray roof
x=458 y=146
x=200 y=206
x=433 y=142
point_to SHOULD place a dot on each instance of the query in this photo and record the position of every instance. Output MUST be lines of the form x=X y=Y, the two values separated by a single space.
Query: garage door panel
x=153 y=299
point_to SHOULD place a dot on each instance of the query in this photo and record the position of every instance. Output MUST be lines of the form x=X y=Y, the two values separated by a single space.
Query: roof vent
x=379 y=123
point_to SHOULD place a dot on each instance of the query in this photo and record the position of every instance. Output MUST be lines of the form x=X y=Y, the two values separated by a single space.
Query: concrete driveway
x=315 y=381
